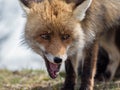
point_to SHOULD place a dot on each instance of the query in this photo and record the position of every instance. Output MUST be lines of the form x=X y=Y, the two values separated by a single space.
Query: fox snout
x=55 y=59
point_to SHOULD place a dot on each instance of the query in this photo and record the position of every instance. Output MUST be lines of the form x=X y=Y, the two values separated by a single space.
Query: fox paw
x=67 y=88
x=86 y=88
x=103 y=77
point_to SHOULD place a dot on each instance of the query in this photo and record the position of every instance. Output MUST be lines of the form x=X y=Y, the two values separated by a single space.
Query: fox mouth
x=52 y=68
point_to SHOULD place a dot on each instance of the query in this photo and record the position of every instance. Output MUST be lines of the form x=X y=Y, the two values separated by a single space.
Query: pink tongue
x=54 y=67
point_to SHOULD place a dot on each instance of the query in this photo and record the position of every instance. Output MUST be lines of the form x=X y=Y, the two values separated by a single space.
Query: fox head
x=53 y=29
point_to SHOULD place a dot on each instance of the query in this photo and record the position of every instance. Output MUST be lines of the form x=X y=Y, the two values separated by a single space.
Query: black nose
x=57 y=60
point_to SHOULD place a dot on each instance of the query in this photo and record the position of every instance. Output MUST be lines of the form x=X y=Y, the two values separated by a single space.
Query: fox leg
x=71 y=74
x=114 y=60
x=112 y=66
x=114 y=56
x=89 y=68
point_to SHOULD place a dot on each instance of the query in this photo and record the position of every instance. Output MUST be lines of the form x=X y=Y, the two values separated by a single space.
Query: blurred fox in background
x=71 y=30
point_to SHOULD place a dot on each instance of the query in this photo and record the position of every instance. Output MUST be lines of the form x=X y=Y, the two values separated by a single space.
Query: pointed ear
x=81 y=8
x=26 y=4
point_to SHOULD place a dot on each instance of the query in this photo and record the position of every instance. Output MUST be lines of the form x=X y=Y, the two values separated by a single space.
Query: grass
x=27 y=80
x=39 y=80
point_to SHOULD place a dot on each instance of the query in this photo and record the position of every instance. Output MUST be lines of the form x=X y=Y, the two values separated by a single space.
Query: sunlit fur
x=84 y=25
x=44 y=18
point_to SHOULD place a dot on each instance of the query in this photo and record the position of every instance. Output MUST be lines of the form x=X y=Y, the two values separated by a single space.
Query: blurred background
x=14 y=55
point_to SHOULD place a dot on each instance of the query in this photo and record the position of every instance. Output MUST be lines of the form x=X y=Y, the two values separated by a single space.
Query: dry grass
x=27 y=80
x=39 y=80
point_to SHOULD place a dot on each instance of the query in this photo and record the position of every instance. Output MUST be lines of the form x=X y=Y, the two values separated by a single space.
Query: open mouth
x=52 y=68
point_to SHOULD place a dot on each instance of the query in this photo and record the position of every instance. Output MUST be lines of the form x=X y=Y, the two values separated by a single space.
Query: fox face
x=53 y=30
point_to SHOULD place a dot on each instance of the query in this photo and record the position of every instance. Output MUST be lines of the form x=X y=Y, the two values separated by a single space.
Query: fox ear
x=81 y=8
x=26 y=4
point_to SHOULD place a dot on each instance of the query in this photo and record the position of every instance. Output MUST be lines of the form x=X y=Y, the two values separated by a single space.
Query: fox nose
x=57 y=60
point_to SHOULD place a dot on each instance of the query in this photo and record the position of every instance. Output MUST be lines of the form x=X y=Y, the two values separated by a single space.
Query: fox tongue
x=53 y=69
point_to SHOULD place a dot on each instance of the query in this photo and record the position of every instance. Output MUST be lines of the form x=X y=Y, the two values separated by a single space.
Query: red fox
x=71 y=30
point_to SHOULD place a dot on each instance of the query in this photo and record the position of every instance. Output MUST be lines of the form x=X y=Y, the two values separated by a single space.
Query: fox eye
x=65 y=37
x=45 y=36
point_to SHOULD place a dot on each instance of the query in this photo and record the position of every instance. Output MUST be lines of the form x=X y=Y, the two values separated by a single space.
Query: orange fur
x=65 y=29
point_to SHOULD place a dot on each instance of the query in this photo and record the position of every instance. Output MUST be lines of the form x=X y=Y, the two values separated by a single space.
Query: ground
x=39 y=80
